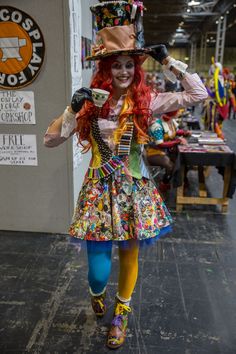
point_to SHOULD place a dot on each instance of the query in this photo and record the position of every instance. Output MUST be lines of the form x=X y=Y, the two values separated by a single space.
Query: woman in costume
x=161 y=151
x=118 y=202
x=216 y=108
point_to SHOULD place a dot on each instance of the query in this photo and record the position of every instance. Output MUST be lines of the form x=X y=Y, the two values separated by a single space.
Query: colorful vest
x=126 y=155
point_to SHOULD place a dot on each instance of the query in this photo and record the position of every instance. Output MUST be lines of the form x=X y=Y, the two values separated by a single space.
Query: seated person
x=162 y=151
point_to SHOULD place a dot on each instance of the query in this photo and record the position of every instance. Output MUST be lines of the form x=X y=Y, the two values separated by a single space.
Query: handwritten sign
x=18 y=149
x=17 y=107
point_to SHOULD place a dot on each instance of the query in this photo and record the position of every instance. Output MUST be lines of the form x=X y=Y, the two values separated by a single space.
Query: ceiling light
x=179 y=30
x=186 y=58
x=217 y=22
x=178 y=35
x=188 y=10
x=194 y=3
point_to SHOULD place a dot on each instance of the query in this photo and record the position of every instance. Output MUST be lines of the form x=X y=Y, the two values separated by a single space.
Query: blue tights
x=99 y=262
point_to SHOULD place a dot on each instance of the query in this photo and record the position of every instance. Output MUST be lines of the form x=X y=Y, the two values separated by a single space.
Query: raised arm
x=63 y=127
x=194 y=92
x=53 y=136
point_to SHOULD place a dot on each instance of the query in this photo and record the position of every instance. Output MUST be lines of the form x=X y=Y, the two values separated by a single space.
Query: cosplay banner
x=22 y=48
x=17 y=107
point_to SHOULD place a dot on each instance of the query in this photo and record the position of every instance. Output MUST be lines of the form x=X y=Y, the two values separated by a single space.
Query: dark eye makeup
x=118 y=66
x=129 y=65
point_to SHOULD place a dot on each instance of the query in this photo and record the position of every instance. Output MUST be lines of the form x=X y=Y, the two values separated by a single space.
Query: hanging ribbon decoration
x=219 y=89
x=218 y=85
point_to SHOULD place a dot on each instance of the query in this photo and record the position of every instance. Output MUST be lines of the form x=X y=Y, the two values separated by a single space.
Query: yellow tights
x=128 y=271
x=99 y=261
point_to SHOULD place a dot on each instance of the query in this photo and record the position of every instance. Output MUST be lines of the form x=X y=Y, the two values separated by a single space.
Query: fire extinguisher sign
x=22 y=48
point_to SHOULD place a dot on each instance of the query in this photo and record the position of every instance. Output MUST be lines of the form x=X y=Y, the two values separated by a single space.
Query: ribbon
x=139 y=4
x=98 y=49
x=134 y=10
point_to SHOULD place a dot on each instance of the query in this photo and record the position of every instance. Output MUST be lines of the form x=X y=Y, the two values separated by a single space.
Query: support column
x=193 y=53
x=203 y=49
x=220 y=39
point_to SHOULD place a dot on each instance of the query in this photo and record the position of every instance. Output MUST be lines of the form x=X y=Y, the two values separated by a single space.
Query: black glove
x=79 y=98
x=158 y=52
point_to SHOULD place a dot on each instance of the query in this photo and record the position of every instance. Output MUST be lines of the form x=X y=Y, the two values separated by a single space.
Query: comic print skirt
x=120 y=209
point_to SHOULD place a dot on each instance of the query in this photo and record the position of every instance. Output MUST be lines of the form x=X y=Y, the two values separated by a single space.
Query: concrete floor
x=184 y=301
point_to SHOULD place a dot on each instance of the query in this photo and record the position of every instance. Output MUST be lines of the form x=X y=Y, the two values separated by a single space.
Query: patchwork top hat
x=119 y=28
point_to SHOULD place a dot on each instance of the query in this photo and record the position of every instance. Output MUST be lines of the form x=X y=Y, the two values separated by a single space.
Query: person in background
x=162 y=151
x=170 y=86
x=216 y=108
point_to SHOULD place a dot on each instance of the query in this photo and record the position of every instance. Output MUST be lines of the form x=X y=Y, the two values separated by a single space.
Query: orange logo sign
x=22 y=48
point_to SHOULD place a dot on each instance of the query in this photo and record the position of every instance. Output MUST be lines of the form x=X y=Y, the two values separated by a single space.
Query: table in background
x=203 y=158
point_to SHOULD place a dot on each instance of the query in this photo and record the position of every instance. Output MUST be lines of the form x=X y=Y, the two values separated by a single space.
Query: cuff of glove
x=178 y=65
x=175 y=64
x=68 y=123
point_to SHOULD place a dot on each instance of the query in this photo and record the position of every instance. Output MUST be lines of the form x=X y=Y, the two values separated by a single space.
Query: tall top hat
x=119 y=28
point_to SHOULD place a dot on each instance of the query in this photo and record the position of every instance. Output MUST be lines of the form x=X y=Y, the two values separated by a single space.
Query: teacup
x=99 y=96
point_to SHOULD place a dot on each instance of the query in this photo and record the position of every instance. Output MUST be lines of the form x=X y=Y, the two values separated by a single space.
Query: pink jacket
x=194 y=93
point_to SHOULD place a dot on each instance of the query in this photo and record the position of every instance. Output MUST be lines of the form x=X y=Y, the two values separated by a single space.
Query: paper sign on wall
x=17 y=107
x=18 y=149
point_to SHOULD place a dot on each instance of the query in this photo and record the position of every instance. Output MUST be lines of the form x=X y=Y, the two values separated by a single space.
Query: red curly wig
x=138 y=94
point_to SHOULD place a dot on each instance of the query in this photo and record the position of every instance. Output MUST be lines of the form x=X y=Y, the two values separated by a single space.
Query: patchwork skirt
x=120 y=209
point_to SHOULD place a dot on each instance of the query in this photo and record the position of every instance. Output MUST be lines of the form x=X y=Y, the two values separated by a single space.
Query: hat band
x=111 y=39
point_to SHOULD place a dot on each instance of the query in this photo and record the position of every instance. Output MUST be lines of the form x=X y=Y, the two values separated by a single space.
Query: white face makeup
x=122 y=71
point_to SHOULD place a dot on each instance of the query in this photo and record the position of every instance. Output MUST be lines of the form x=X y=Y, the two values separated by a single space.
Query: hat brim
x=142 y=52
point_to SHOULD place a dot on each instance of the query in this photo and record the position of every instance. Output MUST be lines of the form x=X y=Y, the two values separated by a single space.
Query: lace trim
x=68 y=123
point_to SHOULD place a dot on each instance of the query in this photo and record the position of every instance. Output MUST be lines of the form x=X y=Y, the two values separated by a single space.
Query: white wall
x=41 y=198
x=86 y=27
